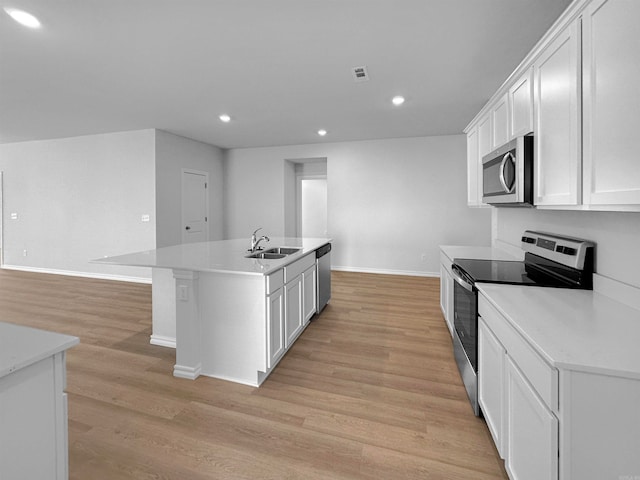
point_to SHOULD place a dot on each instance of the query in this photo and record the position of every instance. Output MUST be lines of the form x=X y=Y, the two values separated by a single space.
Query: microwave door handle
x=505 y=159
x=461 y=281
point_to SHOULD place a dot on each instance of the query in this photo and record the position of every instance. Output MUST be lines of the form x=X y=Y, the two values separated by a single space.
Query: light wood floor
x=369 y=391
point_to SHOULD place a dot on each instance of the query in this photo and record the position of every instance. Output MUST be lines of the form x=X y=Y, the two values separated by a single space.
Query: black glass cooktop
x=511 y=272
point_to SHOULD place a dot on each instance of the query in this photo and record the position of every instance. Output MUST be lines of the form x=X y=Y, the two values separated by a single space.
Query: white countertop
x=224 y=256
x=480 y=253
x=23 y=346
x=572 y=329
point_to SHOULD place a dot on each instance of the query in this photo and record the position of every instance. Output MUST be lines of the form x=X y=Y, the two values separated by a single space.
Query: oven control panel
x=569 y=251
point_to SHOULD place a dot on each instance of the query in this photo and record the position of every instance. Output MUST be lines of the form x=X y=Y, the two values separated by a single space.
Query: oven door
x=465 y=345
x=465 y=316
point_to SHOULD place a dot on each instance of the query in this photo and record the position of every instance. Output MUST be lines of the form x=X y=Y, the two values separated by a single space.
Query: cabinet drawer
x=294 y=269
x=274 y=281
x=542 y=376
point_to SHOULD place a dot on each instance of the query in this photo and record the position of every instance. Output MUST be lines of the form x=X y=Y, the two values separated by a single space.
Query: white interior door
x=195 y=206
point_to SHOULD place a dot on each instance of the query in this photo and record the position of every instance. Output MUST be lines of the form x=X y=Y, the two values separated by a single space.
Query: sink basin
x=267 y=255
x=283 y=250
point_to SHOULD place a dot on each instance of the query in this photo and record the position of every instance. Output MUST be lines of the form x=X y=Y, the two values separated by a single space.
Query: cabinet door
x=293 y=315
x=521 y=106
x=500 y=121
x=275 y=327
x=474 y=187
x=531 y=431
x=611 y=102
x=446 y=296
x=491 y=381
x=557 y=141
x=485 y=137
x=309 y=300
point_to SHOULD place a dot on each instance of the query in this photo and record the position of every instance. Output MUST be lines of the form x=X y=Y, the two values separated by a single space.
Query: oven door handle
x=461 y=281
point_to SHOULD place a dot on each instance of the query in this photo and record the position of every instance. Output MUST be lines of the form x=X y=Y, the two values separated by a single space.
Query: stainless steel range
x=550 y=261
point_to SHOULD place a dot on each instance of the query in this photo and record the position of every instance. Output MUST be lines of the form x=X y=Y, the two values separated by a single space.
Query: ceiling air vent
x=360 y=74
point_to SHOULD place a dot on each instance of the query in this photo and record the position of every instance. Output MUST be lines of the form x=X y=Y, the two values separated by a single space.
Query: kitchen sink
x=283 y=250
x=267 y=255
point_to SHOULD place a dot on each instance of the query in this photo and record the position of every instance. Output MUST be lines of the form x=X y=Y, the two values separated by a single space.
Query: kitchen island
x=33 y=413
x=234 y=316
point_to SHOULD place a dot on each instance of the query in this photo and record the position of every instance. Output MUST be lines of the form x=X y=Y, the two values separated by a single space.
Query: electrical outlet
x=145 y=218
x=423 y=257
x=14 y=216
x=183 y=293
x=24 y=252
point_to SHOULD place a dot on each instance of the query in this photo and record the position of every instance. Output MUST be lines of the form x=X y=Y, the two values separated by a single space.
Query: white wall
x=173 y=153
x=78 y=199
x=617 y=235
x=389 y=201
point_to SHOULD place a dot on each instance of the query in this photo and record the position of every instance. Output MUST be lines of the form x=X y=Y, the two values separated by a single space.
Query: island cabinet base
x=237 y=327
x=220 y=326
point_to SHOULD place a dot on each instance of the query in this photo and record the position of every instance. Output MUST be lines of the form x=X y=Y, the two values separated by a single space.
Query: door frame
x=206 y=192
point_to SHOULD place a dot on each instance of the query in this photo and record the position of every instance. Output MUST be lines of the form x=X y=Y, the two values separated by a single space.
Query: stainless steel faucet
x=255 y=241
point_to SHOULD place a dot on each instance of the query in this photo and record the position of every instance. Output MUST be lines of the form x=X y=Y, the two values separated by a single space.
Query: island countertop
x=22 y=346
x=223 y=256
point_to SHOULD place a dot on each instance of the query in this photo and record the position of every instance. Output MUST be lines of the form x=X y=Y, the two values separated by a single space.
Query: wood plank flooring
x=369 y=391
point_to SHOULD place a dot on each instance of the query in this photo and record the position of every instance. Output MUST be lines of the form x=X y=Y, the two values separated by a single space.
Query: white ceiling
x=280 y=68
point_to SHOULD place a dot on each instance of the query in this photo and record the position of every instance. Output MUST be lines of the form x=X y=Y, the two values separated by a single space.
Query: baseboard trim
x=381 y=271
x=163 y=341
x=190 y=373
x=71 y=273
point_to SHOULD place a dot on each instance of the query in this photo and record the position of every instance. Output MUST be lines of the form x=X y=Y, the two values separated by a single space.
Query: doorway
x=1 y=224
x=195 y=206
x=311 y=198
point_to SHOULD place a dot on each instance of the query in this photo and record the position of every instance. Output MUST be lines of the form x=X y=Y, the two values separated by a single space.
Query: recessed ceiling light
x=23 y=18
x=322 y=132
x=397 y=100
x=225 y=118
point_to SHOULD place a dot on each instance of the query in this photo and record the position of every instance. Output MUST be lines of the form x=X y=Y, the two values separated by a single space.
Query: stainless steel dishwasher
x=323 y=267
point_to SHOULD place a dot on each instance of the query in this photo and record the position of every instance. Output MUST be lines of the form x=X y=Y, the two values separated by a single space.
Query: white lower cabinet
x=550 y=423
x=299 y=296
x=491 y=380
x=33 y=404
x=517 y=391
x=290 y=304
x=275 y=327
x=532 y=430
x=293 y=316
x=446 y=291
x=309 y=293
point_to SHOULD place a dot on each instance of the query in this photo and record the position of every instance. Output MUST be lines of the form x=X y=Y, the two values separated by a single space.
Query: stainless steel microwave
x=507 y=174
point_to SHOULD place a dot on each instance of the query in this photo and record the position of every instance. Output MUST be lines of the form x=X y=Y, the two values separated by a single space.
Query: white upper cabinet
x=474 y=187
x=557 y=121
x=578 y=92
x=611 y=100
x=500 y=122
x=521 y=105
x=479 y=143
x=485 y=136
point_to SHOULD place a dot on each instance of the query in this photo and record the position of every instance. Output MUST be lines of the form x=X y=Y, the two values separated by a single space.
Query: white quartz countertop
x=572 y=329
x=223 y=256
x=23 y=346
x=480 y=253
